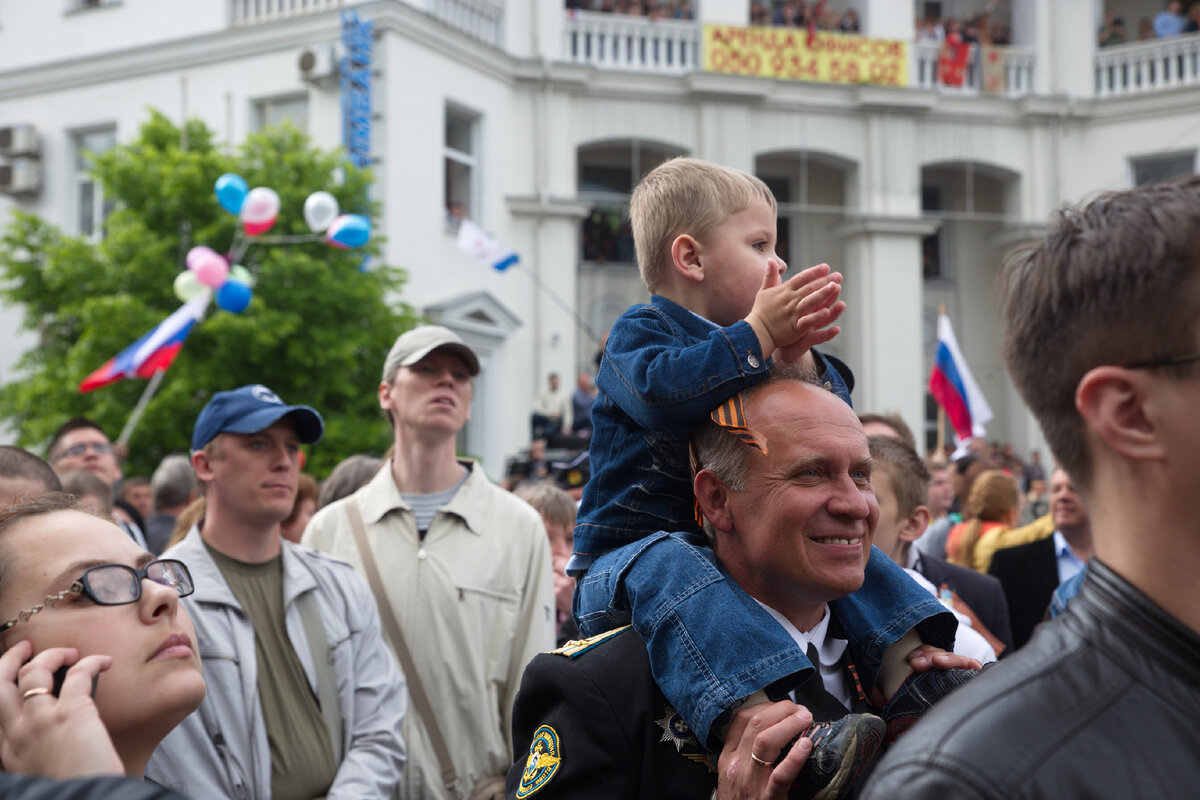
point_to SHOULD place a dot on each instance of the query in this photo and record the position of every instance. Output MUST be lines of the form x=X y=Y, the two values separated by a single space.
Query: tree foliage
x=316 y=331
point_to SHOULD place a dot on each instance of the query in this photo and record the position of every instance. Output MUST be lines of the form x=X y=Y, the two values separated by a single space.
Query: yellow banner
x=796 y=55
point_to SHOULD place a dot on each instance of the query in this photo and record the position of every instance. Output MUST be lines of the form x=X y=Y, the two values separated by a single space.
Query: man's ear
x=685 y=257
x=1118 y=407
x=713 y=496
x=915 y=525
x=200 y=463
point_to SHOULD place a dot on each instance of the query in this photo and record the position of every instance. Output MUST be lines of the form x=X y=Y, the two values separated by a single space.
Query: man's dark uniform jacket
x=1029 y=575
x=982 y=593
x=590 y=722
x=1103 y=702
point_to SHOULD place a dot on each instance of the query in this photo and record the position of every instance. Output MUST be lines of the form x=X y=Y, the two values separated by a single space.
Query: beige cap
x=412 y=346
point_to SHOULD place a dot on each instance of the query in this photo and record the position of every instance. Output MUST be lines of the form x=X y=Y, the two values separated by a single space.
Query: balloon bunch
x=258 y=208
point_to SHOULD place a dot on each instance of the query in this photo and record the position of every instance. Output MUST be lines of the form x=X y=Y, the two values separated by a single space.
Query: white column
x=723 y=12
x=882 y=323
x=886 y=19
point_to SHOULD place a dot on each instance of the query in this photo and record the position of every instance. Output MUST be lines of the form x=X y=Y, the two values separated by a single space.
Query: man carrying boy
x=705 y=237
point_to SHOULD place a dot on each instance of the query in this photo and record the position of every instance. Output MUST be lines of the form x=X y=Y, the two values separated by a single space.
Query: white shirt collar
x=829 y=651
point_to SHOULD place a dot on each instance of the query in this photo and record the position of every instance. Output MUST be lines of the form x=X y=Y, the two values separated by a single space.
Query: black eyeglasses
x=1169 y=361
x=101 y=448
x=116 y=585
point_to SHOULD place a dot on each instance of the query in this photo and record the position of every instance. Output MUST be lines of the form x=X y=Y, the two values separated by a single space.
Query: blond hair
x=993 y=496
x=685 y=196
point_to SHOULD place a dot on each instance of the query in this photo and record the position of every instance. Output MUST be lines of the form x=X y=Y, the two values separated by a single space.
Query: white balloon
x=320 y=210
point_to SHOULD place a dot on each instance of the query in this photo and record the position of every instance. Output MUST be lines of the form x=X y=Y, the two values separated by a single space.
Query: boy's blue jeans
x=711 y=645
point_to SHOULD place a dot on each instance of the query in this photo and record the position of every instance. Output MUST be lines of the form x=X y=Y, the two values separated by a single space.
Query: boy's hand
x=793 y=316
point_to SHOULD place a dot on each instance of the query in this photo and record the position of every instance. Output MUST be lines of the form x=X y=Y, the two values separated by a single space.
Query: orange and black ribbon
x=730 y=415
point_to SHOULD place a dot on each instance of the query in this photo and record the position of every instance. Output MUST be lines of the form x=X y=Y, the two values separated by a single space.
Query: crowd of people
x=650 y=9
x=759 y=594
x=1166 y=24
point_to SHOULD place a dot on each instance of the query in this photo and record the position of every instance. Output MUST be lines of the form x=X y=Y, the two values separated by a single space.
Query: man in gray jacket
x=304 y=700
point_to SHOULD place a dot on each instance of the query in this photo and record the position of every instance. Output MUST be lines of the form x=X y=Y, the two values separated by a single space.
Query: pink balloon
x=260 y=210
x=197 y=253
x=211 y=270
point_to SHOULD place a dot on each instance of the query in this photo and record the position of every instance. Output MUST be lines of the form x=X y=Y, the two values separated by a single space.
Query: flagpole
x=140 y=408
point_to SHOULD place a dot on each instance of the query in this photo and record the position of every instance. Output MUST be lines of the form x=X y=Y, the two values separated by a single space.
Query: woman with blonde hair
x=992 y=506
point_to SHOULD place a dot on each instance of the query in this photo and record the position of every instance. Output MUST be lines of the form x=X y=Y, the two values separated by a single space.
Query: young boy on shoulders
x=720 y=311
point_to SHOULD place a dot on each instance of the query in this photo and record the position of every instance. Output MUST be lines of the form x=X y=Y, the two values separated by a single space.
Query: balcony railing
x=615 y=41
x=1014 y=72
x=1148 y=66
x=251 y=12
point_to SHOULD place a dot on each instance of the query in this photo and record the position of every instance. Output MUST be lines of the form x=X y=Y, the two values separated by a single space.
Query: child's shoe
x=841 y=751
x=918 y=692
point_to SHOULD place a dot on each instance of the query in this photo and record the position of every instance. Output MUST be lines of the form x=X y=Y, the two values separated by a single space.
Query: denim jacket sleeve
x=667 y=371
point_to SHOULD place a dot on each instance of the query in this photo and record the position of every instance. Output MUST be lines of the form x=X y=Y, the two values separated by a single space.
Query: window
x=1162 y=167
x=461 y=177
x=91 y=207
x=277 y=110
x=607 y=174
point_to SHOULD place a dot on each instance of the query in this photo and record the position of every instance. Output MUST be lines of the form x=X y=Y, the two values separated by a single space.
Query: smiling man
x=303 y=698
x=467 y=567
x=793 y=527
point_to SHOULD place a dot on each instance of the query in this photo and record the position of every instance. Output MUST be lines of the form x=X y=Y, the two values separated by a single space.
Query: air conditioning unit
x=319 y=64
x=20 y=176
x=19 y=140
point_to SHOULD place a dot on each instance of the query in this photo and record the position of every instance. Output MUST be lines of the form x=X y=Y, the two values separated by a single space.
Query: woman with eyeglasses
x=76 y=592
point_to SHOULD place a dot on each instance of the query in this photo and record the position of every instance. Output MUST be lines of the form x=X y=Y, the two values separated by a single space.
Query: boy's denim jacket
x=664 y=370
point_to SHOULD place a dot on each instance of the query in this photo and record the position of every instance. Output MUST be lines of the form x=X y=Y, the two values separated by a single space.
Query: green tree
x=316 y=331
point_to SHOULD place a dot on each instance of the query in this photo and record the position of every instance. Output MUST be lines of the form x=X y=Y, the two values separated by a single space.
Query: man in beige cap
x=465 y=567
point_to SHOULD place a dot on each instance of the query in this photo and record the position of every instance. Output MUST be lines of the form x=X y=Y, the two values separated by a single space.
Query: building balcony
x=1152 y=66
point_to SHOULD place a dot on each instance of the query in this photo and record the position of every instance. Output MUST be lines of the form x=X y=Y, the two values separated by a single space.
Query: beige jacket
x=476 y=603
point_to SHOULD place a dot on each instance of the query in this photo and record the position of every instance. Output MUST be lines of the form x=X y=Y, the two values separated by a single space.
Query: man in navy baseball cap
x=250 y=409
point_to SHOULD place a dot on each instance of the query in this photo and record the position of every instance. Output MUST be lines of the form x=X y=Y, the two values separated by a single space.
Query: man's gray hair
x=173 y=482
x=723 y=453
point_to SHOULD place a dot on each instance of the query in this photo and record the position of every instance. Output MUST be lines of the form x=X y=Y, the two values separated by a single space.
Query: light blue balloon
x=349 y=231
x=231 y=192
x=233 y=297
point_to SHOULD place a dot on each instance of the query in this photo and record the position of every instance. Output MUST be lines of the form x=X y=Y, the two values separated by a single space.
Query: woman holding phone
x=77 y=592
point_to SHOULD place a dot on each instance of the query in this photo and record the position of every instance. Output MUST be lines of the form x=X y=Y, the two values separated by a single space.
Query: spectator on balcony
x=683 y=10
x=1145 y=29
x=929 y=29
x=790 y=14
x=849 y=22
x=1193 y=19
x=1169 y=21
x=1113 y=31
x=759 y=15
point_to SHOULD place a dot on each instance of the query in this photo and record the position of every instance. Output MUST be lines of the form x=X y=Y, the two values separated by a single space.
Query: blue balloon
x=233 y=297
x=231 y=192
x=348 y=231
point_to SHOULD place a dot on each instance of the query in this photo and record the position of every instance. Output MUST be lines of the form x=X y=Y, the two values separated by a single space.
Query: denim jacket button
x=752 y=360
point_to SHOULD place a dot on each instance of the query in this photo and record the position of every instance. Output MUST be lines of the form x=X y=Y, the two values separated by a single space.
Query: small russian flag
x=955 y=390
x=474 y=240
x=153 y=352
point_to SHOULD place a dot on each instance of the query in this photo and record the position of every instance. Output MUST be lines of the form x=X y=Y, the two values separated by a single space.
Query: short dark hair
x=17 y=462
x=1115 y=283
x=81 y=483
x=894 y=421
x=73 y=424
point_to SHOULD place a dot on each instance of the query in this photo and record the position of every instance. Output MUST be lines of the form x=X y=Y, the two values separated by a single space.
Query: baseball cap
x=250 y=409
x=412 y=346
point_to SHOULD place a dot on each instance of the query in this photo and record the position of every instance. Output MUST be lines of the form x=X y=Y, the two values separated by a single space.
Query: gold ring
x=45 y=690
x=759 y=761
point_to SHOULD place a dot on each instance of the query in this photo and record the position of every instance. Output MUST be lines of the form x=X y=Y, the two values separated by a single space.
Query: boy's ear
x=915 y=525
x=685 y=257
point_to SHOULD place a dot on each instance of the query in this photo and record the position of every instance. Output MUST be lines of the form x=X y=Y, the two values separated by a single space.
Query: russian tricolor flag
x=474 y=240
x=952 y=386
x=153 y=352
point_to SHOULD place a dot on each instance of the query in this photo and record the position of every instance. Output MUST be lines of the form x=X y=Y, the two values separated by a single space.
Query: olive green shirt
x=302 y=760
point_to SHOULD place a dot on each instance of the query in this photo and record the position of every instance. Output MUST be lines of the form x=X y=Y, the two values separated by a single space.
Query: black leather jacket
x=1104 y=702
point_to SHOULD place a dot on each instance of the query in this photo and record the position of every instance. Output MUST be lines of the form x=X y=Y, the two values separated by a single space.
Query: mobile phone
x=60 y=675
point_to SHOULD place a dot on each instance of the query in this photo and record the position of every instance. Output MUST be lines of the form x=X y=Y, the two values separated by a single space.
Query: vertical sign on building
x=357 y=41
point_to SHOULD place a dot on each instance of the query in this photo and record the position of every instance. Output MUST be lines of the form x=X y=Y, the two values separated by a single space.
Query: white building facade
x=539 y=121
